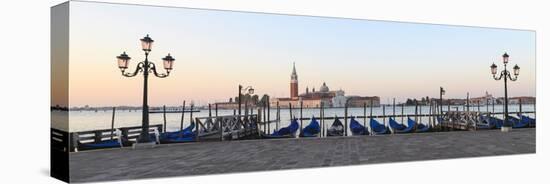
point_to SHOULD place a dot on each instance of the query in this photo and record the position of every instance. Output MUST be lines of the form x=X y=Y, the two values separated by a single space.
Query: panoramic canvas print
x=147 y=91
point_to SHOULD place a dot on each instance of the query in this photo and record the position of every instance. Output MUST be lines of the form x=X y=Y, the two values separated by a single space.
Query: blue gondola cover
x=378 y=128
x=356 y=128
x=311 y=130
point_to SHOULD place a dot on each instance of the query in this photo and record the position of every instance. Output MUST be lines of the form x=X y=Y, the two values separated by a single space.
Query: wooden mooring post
x=182 y=115
x=209 y=111
x=365 y=115
x=278 y=117
x=420 y=111
x=268 y=118
x=402 y=112
x=384 y=114
x=415 y=111
x=323 y=126
x=520 y=107
x=321 y=120
x=430 y=113
x=164 y=118
x=371 y=131
x=346 y=119
x=301 y=108
x=191 y=116
x=113 y=123
x=264 y=115
x=394 y=118
x=468 y=101
x=493 y=104
x=290 y=111
x=487 y=105
x=393 y=106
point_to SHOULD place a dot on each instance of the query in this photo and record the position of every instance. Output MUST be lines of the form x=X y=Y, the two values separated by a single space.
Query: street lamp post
x=507 y=76
x=241 y=91
x=146 y=67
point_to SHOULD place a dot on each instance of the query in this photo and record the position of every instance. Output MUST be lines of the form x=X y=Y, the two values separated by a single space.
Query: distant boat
x=336 y=129
x=356 y=128
x=378 y=128
x=285 y=132
x=311 y=130
x=399 y=128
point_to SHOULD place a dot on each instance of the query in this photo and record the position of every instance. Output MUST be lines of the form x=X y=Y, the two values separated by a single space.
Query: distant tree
x=263 y=100
x=230 y=100
x=254 y=99
x=409 y=102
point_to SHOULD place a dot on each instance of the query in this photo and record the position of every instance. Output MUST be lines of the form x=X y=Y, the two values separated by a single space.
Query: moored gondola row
x=257 y=126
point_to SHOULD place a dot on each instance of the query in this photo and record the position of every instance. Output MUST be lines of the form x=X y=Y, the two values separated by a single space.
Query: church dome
x=324 y=88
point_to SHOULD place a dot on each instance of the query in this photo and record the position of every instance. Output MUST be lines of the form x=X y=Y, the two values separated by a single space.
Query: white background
x=24 y=91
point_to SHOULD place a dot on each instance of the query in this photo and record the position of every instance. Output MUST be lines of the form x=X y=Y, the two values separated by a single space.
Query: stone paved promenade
x=257 y=155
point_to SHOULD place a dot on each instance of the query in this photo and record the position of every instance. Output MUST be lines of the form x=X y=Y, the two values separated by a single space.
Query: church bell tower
x=294 y=83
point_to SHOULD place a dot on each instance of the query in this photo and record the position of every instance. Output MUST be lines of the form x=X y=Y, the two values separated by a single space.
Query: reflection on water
x=90 y=120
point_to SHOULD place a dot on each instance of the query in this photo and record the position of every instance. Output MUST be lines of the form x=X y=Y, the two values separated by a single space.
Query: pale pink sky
x=215 y=51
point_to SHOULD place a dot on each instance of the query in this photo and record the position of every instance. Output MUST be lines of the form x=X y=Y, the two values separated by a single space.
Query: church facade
x=314 y=99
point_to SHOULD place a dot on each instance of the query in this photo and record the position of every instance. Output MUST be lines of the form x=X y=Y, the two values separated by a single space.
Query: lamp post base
x=505 y=129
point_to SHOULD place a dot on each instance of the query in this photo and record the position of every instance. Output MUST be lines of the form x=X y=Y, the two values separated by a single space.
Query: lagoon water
x=91 y=120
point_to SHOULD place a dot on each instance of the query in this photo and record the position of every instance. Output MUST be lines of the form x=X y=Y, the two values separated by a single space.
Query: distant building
x=454 y=101
x=339 y=100
x=484 y=100
x=232 y=105
x=523 y=99
x=294 y=83
x=360 y=101
x=314 y=99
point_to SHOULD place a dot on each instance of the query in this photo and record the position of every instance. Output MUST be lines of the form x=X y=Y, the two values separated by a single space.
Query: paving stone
x=261 y=155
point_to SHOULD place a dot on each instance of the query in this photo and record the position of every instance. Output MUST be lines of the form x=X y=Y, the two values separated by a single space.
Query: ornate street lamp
x=146 y=67
x=241 y=91
x=507 y=76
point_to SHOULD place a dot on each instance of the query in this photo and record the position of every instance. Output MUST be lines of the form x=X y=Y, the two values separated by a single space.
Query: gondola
x=378 y=128
x=518 y=123
x=418 y=127
x=112 y=143
x=285 y=132
x=399 y=128
x=181 y=136
x=531 y=121
x=356 y=128
x=496 y=121
x=336 y=129
x=119 y=142
x=485 y=123
x=311 y=130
